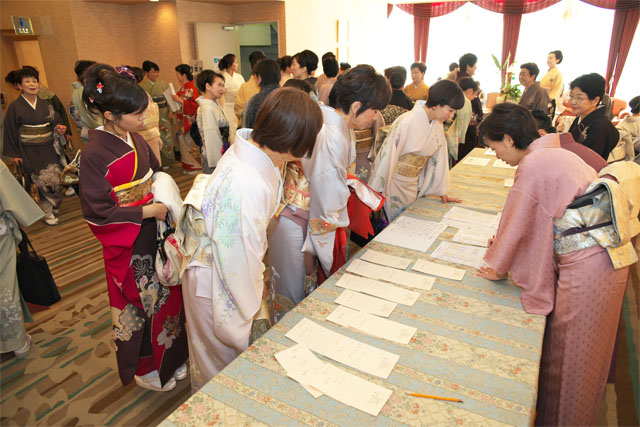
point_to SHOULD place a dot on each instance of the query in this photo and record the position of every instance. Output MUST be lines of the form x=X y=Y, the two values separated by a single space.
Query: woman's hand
x=154 y=210
x=491 y=274
x=446 y=199
x=177 y=98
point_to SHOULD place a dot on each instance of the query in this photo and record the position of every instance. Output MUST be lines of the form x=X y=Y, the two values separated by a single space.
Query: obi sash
x=135 y=193
x=410 y=165
x=296 y=189
x=36 y=134
x=160 y=100
x=364 y=139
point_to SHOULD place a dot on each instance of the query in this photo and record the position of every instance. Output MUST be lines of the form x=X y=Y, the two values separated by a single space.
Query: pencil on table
x=450 y=399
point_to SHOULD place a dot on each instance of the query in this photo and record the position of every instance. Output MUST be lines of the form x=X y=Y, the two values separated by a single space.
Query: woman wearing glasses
x=591 y=127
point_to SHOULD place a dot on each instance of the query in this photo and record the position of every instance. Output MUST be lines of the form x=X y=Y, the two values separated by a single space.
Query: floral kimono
x=186 y=117
x=156 y=90
x=148 y=319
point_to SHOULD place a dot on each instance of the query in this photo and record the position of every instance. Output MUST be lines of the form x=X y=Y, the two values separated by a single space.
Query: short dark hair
x=226 y=61
x=453 y=66
x=333 y=94
x=557 y=54
x=11 y=77
x=396 y=69
x=288 y=121
x=26 y=71
x=285 y=62
x=467 y=60
x=532 y=69
x=255 y=57
x=445 y=92
x=635 y=105
x=362 y=84
x=330 y=67
x=149 y=65
x=419 y=65
x=344 y=66
x=268 y=71
x=308 y=59
x=510 y=119
x=543 y=121
x=106 y=90
x=138 y=72
x=397 y=80
x=303 y=85
x=185 y=70
x=468 y=83
x=328 y=55
x=592 y=84
x=206 y=76
x=81 y=66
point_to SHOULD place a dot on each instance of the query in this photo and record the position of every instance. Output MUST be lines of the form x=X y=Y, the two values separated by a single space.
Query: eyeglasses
x=577 y=98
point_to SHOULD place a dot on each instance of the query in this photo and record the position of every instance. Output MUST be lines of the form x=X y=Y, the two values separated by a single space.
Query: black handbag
x=34 y=277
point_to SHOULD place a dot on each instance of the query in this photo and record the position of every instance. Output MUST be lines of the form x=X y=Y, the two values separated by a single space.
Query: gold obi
x=382 y=134
x=410 y=165
x=134 y=193
x=364 y=139
x=296 y=189
x=36 y=134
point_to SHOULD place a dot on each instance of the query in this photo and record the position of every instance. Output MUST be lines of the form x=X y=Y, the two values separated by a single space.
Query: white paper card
x=460 y=254
x=167 y=95
x=489 y=152
x=342 y=349
x=508 y=182
x=351 y=390
x=366 y=303
x=378 y=289
x=478 y=236
x=470 y=216
x=410 y=233
x=477 y=161
x=385 y=259
x=388 y=274
x=439 y=270
x=497 y=163
x=372 y=325
x=300 y=364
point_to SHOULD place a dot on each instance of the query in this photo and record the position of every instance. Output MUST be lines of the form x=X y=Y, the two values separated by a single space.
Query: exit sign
x=22 y=25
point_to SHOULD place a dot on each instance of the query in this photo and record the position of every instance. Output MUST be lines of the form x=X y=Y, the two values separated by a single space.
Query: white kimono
x=231 y=87
x=210 y=118
x=326 y=171
x=222 y=232
x=413 y=161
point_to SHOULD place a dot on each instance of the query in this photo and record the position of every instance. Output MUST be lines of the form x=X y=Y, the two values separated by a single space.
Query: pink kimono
x=580 y=292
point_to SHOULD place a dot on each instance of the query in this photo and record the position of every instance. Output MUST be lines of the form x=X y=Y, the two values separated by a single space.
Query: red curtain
x=625 y=23
x=614 y=4
x=422 y=14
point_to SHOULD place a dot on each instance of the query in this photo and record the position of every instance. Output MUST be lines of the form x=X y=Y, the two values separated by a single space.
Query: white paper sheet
x=508 y=182
x=366 y=303
x=351 y=390
x=372 y=325
x=489 y=152
x=167 y=95
x=378 y=289
x=410 y=233
x=497 y=163
x=298 y=361
x=439 y=270
x=477 y=161
x=478 y=236
x=342 y=349
x=460 y=254
x=469 y=216
x=385 y=259
x=388 y=274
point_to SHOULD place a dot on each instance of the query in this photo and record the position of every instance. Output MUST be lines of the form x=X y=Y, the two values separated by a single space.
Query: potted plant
x=509 y=92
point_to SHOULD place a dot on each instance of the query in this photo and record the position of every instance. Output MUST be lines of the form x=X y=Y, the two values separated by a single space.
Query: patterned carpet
x=70 y=377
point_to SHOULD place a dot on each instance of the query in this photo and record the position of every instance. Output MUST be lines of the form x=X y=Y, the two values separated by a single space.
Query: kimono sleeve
x=523 y=246
x=239 y=244
x=113 y=225
x=434 y=179
x=11 y=137
x=190 y=106
x=15 y=200
x=457 y=131
x=601 y=138
x=212 y=137
x=385 y=162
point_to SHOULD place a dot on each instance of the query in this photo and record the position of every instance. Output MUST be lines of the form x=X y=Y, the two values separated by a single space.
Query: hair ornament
x=91 y=99
x=99 y=87
x=125 y=71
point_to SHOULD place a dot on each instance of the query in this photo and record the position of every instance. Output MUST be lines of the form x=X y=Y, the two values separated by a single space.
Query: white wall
x=212 y=43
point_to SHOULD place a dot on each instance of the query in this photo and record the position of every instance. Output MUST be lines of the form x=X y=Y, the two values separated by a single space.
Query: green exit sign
x=22 y=25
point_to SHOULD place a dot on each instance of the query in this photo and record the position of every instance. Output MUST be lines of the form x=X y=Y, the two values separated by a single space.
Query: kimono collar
x=550 y=140
x=249 y=153
x=597 y=114
x=422 y=105
x=35 y=103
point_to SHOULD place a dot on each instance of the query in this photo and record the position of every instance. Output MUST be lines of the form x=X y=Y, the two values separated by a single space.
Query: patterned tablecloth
x=474 y=342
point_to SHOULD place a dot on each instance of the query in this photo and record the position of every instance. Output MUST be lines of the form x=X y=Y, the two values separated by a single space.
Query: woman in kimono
x=232 y=81
x=222 y=230
x=150 y=130
x=552 y=81
x=211 y=118
x=115 y=194
x=313 y=216
x=156 y=87
x=582 y=301
x=267 y=73
x=29 y=138
x=186 y=97
x=16 y=209
x=413 y=161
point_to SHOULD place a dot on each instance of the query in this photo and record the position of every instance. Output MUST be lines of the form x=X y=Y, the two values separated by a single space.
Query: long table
x=474 y=342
